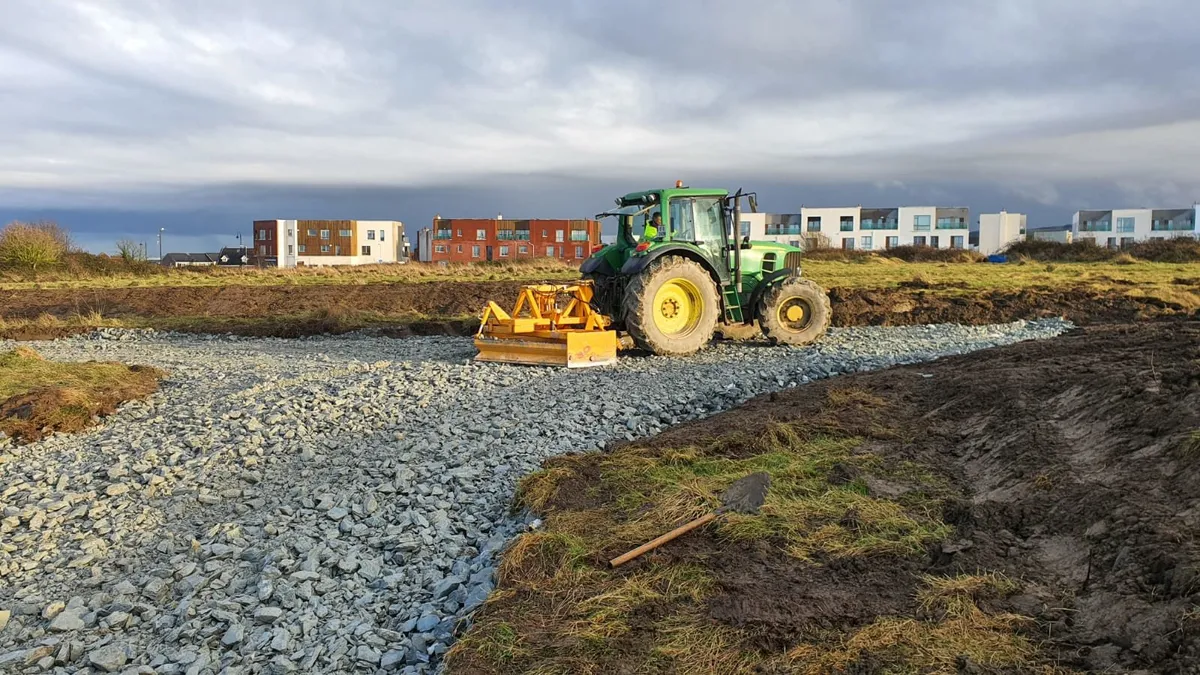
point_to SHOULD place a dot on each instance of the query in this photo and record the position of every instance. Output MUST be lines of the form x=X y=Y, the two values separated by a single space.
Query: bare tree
x=130 y=251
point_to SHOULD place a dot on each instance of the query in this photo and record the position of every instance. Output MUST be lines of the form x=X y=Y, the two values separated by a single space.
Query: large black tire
x=795 y=311
x=671 y=308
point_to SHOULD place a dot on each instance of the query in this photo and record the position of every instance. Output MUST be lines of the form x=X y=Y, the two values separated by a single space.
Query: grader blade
x=550 y=325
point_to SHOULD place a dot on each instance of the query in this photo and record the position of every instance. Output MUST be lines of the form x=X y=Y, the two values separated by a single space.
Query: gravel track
x=331 y=504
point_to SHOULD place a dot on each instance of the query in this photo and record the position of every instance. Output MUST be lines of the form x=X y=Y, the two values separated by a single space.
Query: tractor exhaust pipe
x=736 y=227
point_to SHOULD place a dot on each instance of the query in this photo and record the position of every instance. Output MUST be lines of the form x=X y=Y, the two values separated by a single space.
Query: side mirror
x=746 y=241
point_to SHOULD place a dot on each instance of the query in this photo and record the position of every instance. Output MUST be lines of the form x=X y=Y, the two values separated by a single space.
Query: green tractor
x=672 y=287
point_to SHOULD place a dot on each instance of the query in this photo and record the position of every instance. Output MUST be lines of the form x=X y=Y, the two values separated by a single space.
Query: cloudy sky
x=121 y=116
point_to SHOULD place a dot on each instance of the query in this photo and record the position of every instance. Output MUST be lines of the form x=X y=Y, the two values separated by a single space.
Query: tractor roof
x=668 y=193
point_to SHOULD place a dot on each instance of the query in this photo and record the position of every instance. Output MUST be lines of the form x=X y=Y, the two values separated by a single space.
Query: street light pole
x=160 y=234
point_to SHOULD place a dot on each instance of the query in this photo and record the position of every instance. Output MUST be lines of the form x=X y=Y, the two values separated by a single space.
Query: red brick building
x=465 y=240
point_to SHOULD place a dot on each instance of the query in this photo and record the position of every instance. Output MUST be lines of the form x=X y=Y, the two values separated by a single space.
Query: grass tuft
x=38 y=396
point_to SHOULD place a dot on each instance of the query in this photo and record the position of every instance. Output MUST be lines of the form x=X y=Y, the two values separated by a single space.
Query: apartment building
x=997 y=230
x=858 y=228
x=467 y=240
x=1121 y=227
x=308 y=243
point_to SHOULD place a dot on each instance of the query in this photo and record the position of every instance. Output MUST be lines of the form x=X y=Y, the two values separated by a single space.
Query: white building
x=861 y=228
x=997 y=230
x=1121 y=227
x=315 y=243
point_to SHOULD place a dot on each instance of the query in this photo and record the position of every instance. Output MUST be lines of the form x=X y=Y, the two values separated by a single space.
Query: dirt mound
x=1012 y=510
x=435 y=299
x=403 y=309
x=919 y=302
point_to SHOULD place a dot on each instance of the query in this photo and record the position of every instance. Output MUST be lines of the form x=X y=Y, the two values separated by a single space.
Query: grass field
x=37 y=395
x=871 y=273
x=151 y=276
x=336 y=300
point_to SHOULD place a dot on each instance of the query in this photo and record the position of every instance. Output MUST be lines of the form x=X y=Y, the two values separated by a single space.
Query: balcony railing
x=783 y=229
x=513 y=235
x=1172 y=226
x=879 y=225
x=952 y=224
x=441 y=234
x=579 y=235
x=1102 y=226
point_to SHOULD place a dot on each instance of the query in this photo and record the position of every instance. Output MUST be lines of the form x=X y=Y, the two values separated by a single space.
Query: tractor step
x=733 y=304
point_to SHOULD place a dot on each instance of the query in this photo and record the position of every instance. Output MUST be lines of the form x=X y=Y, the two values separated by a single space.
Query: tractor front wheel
x=794 y=311
x=671 y=308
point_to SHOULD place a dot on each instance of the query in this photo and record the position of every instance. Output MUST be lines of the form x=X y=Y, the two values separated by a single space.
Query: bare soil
x=1079 y=463
x=1071 y=466
x=403 y=309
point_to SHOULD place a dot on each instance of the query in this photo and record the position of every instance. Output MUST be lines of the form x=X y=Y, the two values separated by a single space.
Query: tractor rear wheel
x=794 y=311
x=671 y=308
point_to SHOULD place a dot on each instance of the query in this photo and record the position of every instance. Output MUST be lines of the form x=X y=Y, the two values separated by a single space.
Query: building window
x=370 y=235
x=814 y=223
x=549 y=251
x=847 y=225
x=919 y=241
x=893 y=242
x=324 y=234
x=381 y=233
x=460 y=248
x=1126 y=241
x=474 y=251
x=745 y=227
x=1125 y=224
x=324 y=248
x=366 y=250
x=956 y=241
x=579 y=235
x=933 y=241
x=481 y=234
x=311 y=233
x=503 y=251
x=345 y=233
x=948 y=223
x=848 y=243
x=794 y=242
x=866 y=243
x=301 y=248
x=440 y=248
x=523 y=249
x=337 y=250
x=558 y=235
x=262 y=250
x=578 y=251
x=921 y=223
x=291 y=249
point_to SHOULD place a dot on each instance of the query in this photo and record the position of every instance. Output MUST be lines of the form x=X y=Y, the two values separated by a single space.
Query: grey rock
x=110 y=658
x=427 y=623
x=393 y=659
x=367 y=655
x=446 y=586
x=233 y=635
x=267 y=615
x=67 y=620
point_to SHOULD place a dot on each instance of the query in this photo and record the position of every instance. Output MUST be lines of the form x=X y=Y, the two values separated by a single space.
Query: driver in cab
x=652 y=225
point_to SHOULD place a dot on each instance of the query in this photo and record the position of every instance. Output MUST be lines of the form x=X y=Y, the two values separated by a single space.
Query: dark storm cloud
x=141 y=103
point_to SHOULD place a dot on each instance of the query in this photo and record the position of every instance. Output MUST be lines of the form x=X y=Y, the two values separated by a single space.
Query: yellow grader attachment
x=550 y=325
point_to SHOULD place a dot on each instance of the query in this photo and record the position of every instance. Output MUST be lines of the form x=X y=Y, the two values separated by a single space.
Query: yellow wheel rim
x=677 y=307
x=794 y=314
